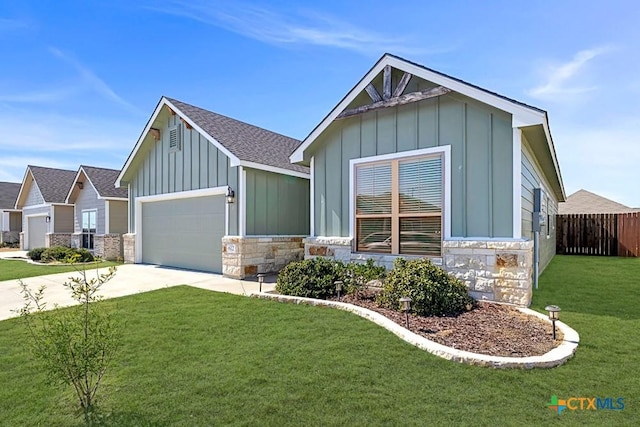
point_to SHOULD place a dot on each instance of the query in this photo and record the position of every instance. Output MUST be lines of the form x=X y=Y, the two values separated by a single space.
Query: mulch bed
x=491 y=329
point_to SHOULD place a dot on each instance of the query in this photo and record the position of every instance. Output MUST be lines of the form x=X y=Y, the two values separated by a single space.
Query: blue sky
x=80 y=79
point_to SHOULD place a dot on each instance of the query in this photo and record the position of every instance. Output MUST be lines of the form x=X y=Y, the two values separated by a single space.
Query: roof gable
x=102 y=180
x=586 y=202
x=53 y=184
x=8 y=194
x=244 y=144
x=523 y=114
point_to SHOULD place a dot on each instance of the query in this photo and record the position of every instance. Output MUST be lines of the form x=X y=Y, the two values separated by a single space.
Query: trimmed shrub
x=36 y=254
x=65 y=254
x=433 y=291
x=357 y=275
x=56 y=253
x=311 y=278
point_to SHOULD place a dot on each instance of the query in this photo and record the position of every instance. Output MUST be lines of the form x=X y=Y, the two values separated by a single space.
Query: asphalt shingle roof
x=8 y=194
x=104 y=181
x=54 y=184
x=586 y=202
x=247 y=142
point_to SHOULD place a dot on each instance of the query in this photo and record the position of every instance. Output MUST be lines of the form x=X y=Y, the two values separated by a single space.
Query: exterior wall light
x=405 y=305
x=47 y=219
x=260 y=280
x=231 y=196
x=338 y=284
x=554 y=314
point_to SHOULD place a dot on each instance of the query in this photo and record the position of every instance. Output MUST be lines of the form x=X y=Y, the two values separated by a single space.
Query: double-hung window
x=399 y=206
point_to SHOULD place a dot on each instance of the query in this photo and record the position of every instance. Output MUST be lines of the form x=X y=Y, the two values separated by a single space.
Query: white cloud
x=94 y=82
x=559 y=79
x=280 y=29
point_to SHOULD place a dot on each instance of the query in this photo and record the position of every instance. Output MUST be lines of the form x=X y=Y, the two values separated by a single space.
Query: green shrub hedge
x=315 y=278
x=61 y=254
x=432 y=290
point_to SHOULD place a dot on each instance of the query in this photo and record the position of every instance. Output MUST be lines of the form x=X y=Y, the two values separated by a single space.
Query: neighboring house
x=586 y=202
x=10 y=218
x=415 y=163
x=179 y=174
x=47 y=220
x=101 y=215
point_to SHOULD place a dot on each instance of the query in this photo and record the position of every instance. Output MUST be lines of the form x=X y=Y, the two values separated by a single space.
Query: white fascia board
x=24 y=180
x=273 y=169
x=73 y=184
x=517 y=183
x=164 y=101
x=522 y=115
x=116 y=199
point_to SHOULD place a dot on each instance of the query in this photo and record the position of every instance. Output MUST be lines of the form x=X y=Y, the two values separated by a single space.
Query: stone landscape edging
x=553 y=358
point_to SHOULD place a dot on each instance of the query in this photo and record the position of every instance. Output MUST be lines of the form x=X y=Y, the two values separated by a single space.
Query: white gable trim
x=522 y=115
x=22 y=189
x=273 y=169
x=165 y=102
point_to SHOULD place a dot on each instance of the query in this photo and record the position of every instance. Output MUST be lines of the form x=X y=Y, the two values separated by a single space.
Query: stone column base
x=129 y=247
x=108 y=246
x=492 y=270
x=248 y=256
x=58 y=239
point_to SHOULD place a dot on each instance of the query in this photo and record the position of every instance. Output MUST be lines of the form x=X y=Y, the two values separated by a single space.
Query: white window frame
x=82 y=212
x=444 y=151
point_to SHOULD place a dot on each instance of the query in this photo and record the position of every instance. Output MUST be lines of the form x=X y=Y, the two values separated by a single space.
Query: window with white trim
x=399 y=206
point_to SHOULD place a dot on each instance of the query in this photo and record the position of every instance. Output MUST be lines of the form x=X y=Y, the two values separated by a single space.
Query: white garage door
x=37 y=230
x=185 y=233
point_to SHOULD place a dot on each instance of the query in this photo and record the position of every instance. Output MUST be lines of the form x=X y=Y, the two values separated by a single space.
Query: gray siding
x=276 y=204
x=87 y=199
x=532 y=178
x=197 y=165
x=117 y=216
x=34 y=197
x=63 y=219
x=481 y=160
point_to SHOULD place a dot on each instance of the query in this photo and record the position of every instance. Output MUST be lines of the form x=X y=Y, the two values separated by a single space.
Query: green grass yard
x=193 y=357
x=17 y=269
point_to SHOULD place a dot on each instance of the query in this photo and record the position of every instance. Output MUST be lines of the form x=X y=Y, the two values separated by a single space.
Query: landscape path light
x=405 y=305
x=554 y=314
x=338 y=284
x=260 y=280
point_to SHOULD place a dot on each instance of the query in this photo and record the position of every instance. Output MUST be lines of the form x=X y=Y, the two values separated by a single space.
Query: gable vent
x=175 y=138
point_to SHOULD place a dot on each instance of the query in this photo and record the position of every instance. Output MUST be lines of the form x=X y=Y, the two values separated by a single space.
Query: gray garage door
x=184 y=233
x=37 y=231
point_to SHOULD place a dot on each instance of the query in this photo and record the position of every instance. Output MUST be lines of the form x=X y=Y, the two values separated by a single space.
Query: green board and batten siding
x=197 y=165
x=531 y=179
x=481 y=160
x=276 y=204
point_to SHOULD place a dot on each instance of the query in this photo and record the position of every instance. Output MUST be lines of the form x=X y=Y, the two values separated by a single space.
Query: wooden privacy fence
x=598 y=234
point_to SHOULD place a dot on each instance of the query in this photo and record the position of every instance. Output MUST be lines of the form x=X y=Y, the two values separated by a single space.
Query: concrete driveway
x=129 y=279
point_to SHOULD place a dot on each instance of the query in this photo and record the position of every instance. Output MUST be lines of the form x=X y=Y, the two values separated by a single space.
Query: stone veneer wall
x=492 y=270
x=22 y=241
x=76 y=240
x=108 y=246
x=129 y=247
x=58 y=239
x=10 y=237
x=249 y=256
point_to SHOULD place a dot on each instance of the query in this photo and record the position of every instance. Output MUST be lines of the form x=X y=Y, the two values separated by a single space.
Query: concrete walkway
x=129 y=279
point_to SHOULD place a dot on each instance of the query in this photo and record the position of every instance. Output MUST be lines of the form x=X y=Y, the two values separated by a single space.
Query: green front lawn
x=193 y=357
x=17 y=269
